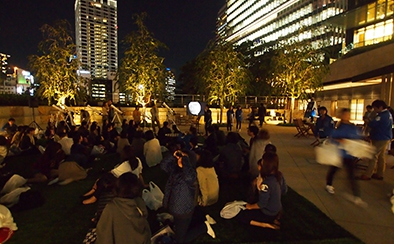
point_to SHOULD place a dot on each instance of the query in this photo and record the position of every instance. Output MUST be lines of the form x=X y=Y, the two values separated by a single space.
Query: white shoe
x=54 y=181
x=210 y=230
x=330 y=189
x=359 y=202
x=210 y=220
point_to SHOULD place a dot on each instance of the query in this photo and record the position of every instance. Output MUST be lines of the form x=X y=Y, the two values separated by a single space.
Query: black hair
x=165 y=124
x=11 y=119
x=211 y=129
x=193 y=130
x=254 y=129
x=270 y=166
x=128 y=186
x=205 y=160
x=369 y=107
x=149 y=135
x=76 y=137
x=322 y=108
x=270 y=148
x=379 y=103
x=232 y=137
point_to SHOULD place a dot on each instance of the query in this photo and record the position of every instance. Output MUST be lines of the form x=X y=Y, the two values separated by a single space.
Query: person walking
x=345 y=130
x=207 y=118
x=238 y=118
x=230 y=118
x=261 y=113
x=380 y=135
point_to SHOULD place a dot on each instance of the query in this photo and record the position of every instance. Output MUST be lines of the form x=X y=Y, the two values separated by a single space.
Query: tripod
x=34 y=123
x=117 y=117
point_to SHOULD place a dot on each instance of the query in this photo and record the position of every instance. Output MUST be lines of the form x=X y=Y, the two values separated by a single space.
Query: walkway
x=374 y=224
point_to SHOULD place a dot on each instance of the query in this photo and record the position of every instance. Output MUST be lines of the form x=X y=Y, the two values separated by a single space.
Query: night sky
x=185 y=26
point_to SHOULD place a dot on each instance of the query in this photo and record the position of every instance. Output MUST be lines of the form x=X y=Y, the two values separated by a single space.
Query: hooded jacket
x=124 y=221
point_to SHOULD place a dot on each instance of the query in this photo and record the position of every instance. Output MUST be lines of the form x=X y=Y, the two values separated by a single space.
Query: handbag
x=156 y=192
x=328 y=154
x=151 y=202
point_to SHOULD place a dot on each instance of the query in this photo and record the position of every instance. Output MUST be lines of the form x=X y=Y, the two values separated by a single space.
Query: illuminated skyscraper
x=97 y=36
x=267 y=21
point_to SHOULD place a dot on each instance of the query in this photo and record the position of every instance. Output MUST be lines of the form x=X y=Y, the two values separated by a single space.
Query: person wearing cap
x=10 y=127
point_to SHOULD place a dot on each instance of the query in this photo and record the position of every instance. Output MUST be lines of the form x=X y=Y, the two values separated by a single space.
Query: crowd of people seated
x=198 y=168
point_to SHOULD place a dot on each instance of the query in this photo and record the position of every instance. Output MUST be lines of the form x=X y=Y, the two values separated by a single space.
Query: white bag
x=156 y=192
x=328 y=154
x=231 y=209
x=151 y=202
x=358 y=148
x=6 y=219
x=13 y=183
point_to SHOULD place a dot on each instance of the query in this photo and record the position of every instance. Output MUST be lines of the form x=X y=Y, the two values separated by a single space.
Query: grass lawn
x=63 y=218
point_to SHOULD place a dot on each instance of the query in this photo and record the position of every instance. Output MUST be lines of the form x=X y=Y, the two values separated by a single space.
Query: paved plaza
x=374 y=224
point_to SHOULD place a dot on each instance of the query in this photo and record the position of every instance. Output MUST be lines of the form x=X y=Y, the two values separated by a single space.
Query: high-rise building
x=267 y=21
x=4 y=63
x=221 y=24
x=97 y=36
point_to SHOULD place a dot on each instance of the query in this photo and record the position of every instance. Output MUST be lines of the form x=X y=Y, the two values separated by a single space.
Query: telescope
x=116 y=109
x=58 y=108
x=168 y=108
x=69 y=109
x=93 y=109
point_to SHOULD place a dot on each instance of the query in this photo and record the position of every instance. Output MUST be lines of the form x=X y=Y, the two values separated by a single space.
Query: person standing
x=154 y=111
x=111 y=111
x=207 y=118
x=380 y=136
x=230 y=118
x=251 y=116
x=137 y=116
x=261 y=113
x=345 y=130
x=238 y=118
x=324 y=124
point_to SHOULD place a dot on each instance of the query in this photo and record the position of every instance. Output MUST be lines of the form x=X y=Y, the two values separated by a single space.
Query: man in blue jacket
x=324 y=124
x=380 y=136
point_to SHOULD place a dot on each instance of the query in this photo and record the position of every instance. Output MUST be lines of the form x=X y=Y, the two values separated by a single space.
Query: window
x=356 y=109
x=371 y=12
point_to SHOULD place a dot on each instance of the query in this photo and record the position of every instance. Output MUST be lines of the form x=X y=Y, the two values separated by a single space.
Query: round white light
x=194 y=108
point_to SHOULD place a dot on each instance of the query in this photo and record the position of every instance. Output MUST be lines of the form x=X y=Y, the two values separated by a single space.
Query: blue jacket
x=346 y=131
x=381 y=126
x=324 y=126
x=238 y=114
x=179 y=195
x=270 y=194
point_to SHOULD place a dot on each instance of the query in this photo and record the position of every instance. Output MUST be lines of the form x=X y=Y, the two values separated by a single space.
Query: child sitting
x=264 y=213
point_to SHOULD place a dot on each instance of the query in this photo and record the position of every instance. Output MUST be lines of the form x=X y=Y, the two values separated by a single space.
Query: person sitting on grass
x=179 y=197
x=231 y=157
x=152 y=149
x=207 y=179
x=264 y=213
x=28 y=143
x=46 y=167
x=124 y=219
x=131 y=164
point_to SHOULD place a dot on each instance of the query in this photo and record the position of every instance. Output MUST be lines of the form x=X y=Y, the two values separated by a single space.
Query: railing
x=273 y=102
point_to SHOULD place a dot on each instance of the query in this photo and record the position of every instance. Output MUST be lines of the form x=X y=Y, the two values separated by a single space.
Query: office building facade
x=97 y=36
x=267 y=21
x=365 y=71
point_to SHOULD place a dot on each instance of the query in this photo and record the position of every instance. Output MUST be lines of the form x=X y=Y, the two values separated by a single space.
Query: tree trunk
x=292 y=104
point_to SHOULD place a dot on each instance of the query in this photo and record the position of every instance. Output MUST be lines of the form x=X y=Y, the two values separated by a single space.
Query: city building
x=267 y=21
x=170 y=85
x=221 y=24
x=365 y=71
x=17 y=81
x=4 y=63
x=97 y=36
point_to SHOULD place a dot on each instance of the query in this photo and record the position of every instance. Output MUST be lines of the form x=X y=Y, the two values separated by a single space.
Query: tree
x=223 y=74
x=298 y=70
x=56 y=67
x=142 y=72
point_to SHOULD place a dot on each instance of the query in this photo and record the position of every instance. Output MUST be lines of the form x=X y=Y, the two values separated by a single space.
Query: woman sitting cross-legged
x=130 y=164
x=124 y=219
x=264 y=213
